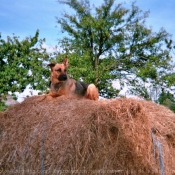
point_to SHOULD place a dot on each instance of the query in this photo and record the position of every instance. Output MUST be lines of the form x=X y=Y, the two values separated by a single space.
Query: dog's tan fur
x=61 y=84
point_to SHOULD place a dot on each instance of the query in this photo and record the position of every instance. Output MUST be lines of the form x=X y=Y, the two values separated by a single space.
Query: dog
x=61 y=84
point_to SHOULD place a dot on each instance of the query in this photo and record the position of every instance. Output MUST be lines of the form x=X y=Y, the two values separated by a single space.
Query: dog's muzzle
x=62 y=77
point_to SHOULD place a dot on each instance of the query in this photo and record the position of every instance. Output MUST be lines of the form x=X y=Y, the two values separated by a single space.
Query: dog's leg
x=92 y=92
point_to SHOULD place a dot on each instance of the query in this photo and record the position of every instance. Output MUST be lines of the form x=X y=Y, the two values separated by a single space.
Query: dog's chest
x=58 y=89
x=65 y=88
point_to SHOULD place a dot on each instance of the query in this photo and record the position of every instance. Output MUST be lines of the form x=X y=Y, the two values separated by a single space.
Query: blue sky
x=23 y=18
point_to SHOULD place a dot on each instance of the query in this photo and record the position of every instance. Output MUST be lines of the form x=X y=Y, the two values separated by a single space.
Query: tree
x=21 y=64
x=167 y=99
x=112 y=42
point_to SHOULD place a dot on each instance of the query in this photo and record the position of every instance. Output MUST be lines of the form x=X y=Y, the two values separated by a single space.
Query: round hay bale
x=1 y=113
x=71 y=136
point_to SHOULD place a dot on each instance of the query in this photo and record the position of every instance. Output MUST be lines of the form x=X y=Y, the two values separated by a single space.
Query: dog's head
x=59 y=71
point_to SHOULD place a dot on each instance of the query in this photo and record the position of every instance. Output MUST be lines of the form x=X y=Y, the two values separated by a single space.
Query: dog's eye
x=59 y=70
x=65 y=70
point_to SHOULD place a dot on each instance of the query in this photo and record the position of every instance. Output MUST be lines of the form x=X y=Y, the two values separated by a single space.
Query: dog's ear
x=51 y=65
x=65 y=62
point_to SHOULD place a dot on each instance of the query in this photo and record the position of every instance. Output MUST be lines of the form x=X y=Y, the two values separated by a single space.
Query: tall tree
x=21 y=64
x=112 y=42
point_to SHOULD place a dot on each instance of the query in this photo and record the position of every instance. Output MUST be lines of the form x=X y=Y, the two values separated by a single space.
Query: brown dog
x=61 y=84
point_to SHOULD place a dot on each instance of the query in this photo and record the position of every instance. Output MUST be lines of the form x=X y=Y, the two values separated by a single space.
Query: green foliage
x=112 y=42
x=167 y=99
x=21 y=63
x=3 y=107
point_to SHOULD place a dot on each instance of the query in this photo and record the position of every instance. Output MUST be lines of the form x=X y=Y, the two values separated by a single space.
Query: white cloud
x=116 y=85
x=27 y=93
x=51 y=49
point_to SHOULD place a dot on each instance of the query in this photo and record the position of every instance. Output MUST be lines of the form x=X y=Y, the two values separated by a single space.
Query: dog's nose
x=62 y=77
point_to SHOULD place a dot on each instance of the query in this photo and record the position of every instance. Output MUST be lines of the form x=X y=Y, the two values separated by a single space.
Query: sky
x=23 y=18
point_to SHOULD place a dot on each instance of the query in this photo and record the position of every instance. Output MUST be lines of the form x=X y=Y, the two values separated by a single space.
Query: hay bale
x=69 y=136
x=1 y=113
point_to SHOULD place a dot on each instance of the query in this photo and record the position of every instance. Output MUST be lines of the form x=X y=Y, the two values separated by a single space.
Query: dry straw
x=69 y=136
